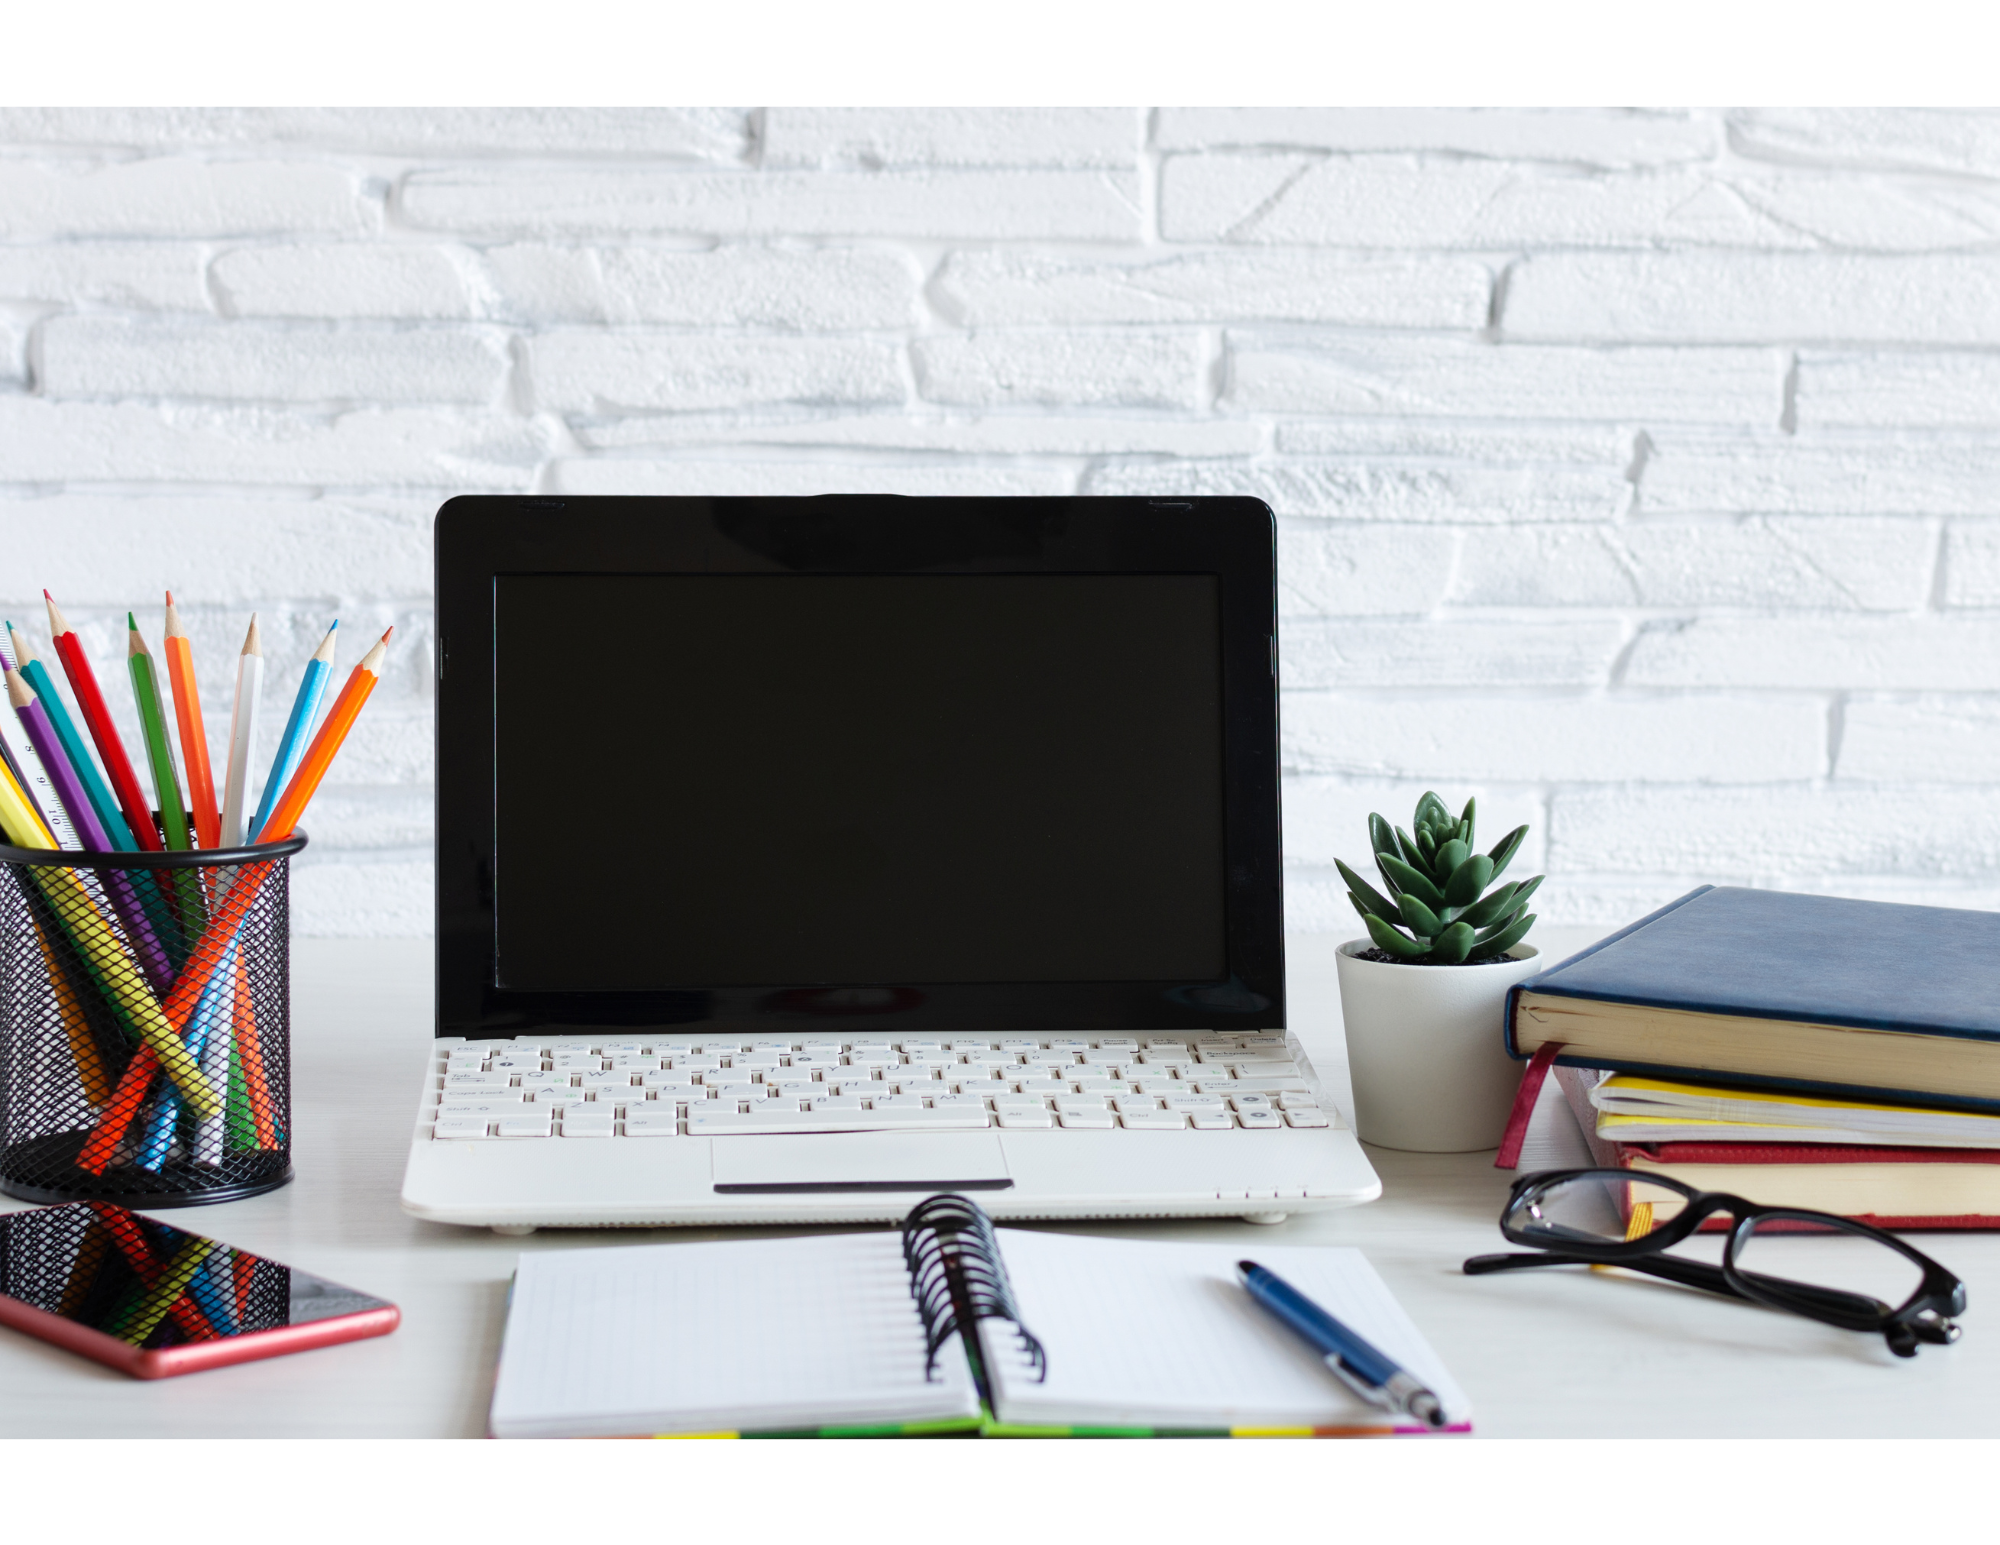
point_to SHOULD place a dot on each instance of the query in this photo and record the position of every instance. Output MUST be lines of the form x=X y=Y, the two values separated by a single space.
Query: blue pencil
x=298 y=732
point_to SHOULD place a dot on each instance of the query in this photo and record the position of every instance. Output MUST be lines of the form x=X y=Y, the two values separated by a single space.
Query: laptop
x=799 y=858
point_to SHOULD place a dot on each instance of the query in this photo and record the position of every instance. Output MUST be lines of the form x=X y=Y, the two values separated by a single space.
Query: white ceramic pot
x=1431 y=1073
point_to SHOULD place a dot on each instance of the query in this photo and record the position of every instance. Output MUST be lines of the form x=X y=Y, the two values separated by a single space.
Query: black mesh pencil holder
x=145 y=1024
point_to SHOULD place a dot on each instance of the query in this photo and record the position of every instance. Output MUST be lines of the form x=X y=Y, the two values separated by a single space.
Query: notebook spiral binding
x=957 y=1276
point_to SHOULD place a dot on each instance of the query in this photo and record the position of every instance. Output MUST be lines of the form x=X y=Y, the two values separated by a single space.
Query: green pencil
x=166 y=780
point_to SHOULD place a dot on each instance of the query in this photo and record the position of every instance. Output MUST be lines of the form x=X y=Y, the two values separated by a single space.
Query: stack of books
x=1796 y=1050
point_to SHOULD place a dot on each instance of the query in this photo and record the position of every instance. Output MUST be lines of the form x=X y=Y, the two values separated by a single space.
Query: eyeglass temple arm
x=1695 y=1274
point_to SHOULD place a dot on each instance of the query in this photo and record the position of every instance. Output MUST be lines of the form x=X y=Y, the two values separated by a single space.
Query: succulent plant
x=1438 y=883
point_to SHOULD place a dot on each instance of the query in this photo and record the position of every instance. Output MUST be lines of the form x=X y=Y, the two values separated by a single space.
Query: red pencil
x=83 y=682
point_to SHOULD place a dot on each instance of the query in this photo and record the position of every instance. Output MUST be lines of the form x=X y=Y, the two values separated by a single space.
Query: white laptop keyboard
x=654 y=1086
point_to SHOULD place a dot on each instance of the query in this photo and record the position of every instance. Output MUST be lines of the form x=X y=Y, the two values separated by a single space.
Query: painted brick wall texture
x=1637 y=471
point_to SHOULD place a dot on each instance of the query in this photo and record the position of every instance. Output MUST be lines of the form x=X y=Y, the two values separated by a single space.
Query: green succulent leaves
x=1437 y=889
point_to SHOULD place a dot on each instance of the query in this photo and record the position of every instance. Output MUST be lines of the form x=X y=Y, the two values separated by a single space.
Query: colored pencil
x=97 y=716
x=242 y=735
x=185 y=883
x=99 y=792
x=298 y=728
x=326 y=744
x=209 y=1034
x=118 y=885
x=263 y=1115
x=194 y=734
x=106 y=959
x=144 y=881
x=234 y=899
x=24 y=760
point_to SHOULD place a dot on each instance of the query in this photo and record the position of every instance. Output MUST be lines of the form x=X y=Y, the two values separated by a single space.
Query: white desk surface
x=1544 y=1353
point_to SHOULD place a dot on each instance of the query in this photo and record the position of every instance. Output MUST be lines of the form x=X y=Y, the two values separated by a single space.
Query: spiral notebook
x=855 y=1335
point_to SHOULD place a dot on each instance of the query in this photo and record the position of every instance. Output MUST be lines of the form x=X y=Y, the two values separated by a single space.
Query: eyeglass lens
x=1786 y=1251
x=1596 y=1209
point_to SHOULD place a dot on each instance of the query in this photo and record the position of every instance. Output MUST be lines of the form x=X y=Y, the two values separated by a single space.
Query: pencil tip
x=251 y=643
x=170 y=598
x=387 y=631
x=132 y=622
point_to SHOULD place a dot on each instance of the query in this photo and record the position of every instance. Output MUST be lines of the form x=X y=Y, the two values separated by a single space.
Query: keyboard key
x=458 y=1129
x=1117 y=1043
x=1260 y=1120
x=1153 y=1120
x=1303 y=1117
x=1289 y=1083
x=1008 y=1100
x=1250 y=1101
x=1297 y=1102
x=483 y=1110
x=569 y=1062
x=607 y=1081
x=670 y=1078
x=1192 y=1102
x=958 y=1102
x=1103 y=1085
x=1014 y=1117
x=1102 y=1053
x=634 y=1064
x=1068 y=1043
x=899 y=1102
x=1076 y=1116
x=1161 y=1086
x=664 y=1124
x=476 y=1081
x=707 y=1123
x=579 y=1124
x=524 y=1126
x=1126 y=1104
x=837 y=1102
x=961 y=1044
x=1211 y=1120
x=871 y=1056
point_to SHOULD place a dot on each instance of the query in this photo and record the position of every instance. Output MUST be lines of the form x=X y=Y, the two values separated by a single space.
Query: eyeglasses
x=1824 y=1267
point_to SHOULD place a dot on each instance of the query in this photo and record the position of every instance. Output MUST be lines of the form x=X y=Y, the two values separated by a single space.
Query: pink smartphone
x=152 y=1300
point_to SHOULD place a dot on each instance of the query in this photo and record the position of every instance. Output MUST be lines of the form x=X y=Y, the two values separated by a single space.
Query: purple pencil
x=48 y=746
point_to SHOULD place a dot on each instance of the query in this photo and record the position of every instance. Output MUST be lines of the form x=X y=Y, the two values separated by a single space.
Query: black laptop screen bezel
x=482 y=538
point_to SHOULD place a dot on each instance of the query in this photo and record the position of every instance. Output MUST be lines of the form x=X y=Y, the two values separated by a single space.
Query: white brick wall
x=1638 y=471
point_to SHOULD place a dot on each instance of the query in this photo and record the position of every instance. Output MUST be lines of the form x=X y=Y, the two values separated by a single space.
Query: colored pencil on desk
x=298 y=728
x=326 y=744
x=263 y=1115
x=97 y=716
x=118 y=885
x=166 y=777
x=24 y=760
x=194 y=734
x=242 y=735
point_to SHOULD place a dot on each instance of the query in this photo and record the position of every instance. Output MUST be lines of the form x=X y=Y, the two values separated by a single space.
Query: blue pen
x=298 y=729
x=1362 y=1367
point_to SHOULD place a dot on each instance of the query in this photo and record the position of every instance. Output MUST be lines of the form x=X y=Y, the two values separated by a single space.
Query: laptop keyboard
x=655 y=1087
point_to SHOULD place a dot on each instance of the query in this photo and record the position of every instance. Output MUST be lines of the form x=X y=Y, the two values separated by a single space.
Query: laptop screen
x=740 y=779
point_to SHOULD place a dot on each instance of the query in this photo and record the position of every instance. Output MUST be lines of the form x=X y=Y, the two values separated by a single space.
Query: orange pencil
x=320 y=754
x=194 y=735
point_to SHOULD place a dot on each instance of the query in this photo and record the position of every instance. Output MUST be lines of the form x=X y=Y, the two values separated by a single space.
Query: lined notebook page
x=729 y=1336
x=1162 y=1335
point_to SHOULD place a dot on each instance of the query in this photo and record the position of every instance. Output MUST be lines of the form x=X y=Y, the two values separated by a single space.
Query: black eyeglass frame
x=1925 y=1316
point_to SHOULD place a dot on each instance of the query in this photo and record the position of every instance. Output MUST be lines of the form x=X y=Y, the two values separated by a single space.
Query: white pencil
x=242 y=735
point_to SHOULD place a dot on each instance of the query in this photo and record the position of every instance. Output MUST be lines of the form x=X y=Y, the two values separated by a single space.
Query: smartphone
x=153 y=1301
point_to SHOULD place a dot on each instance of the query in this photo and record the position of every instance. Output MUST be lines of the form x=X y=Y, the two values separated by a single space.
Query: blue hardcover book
x=1862 y=999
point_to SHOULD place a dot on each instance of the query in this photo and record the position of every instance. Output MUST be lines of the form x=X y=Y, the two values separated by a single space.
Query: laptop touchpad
x=860 y=1162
